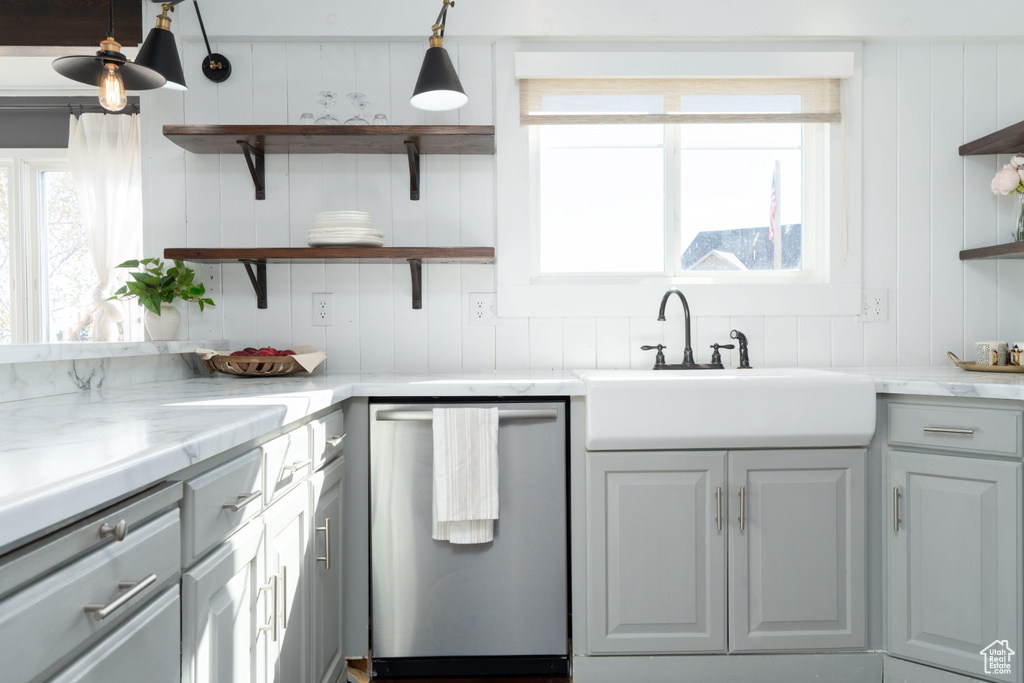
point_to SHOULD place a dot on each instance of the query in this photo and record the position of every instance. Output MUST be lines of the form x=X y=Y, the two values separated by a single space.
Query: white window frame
x=28 y=259
x=522 y=294
x=814 y=244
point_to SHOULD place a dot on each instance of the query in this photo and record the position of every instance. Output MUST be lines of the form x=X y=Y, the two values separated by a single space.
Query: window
x=46 y=274
x=625 y=173
x=679 y=176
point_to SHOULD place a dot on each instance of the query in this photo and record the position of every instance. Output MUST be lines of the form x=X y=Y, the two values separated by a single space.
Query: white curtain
x=106 y=164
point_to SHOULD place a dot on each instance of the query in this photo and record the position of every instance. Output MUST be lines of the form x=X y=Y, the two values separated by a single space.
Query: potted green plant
x=153 y=288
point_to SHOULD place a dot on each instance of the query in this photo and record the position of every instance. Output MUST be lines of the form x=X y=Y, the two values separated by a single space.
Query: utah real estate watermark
x=998 y=658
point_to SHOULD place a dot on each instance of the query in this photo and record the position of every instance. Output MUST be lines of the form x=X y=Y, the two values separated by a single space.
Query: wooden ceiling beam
x=68 y=22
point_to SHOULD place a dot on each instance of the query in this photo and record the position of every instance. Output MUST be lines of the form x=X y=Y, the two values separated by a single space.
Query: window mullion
x=673 y=238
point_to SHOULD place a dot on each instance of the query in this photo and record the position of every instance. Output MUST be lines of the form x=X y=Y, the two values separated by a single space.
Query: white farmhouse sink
x=759 y=408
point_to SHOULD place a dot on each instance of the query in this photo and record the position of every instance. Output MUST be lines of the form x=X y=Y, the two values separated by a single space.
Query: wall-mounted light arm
x=216 y=67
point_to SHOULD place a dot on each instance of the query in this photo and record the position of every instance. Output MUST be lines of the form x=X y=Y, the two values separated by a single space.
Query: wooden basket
x=253 y=366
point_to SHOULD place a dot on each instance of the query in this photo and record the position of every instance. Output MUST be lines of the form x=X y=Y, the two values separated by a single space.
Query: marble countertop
x=63 y=455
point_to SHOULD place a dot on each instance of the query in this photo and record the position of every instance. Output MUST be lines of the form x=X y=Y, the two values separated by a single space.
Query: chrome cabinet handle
x=326 y=528
x=271 y=625
x=718 y=503
x=743 y=507
x=895 y=509
x=335 y=440
x=948 y=430
x=297 y=465
x=101 y=612
x=119 y=530
x=243 y=500
x=284 y=596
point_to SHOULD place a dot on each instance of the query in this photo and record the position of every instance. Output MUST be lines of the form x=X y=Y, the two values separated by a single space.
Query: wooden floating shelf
x=1010 y=250
x=255 y=260
x=256 y=141
x=1009 y=140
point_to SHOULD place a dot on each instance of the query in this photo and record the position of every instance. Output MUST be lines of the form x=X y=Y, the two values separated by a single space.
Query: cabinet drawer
x=219 y=502
x=47 y=620
x=145 y=648
x=286 y=462
x=328 y=436
x=976 y=430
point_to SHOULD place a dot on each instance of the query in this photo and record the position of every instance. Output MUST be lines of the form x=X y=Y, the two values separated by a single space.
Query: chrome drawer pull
x=896 y=509
x=326 y=528
x=334 y=441
x=718 y=502
x=284 y=596
x=101 y=612
x=743 y=507
x=428 y=415
x=947 y=430
x=297 y=465
x=243 y=500
x=119 y=531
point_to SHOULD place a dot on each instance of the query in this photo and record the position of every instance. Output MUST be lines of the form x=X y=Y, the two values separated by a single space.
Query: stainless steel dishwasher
x=498 y=608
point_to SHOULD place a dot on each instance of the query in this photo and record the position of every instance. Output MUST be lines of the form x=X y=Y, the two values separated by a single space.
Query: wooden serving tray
x=253 y=366
x=974 y=367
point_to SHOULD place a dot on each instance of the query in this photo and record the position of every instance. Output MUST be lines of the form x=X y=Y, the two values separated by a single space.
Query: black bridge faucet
x=688 y=350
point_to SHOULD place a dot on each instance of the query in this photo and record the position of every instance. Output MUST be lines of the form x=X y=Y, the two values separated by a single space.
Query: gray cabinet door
x=325 y=574
x=145 y=648
x=796 y=567
x=953 y=574
x=222 y=612
x=655 y=552
x=287 y=523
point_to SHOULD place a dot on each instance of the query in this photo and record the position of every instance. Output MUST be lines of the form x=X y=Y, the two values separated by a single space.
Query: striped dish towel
x=465 y=474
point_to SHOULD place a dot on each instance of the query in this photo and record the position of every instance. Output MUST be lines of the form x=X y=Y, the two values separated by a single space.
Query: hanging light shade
x=160 y=52
x=109 y=70
x=438 y=87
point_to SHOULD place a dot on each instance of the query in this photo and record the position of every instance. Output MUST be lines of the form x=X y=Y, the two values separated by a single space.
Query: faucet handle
x=716 y=357
x=659 y=359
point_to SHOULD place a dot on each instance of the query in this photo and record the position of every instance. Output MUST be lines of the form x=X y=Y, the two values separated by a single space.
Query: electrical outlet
x=874 y=306
x=323 y=309
x=483 y=308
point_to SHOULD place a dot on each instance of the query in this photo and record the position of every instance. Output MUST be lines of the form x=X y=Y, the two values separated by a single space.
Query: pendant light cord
x=110 y=11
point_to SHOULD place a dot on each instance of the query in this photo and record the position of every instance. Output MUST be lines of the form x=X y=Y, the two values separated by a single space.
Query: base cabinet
x=325 y=574
x=288 y=527
x=224 y=610
x=145 y=648
x=796 y=550
x=953 y=560
x=656 y=552
x=660 y=524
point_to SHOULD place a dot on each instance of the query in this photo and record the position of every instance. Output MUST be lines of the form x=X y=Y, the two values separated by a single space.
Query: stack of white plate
x=344 y=228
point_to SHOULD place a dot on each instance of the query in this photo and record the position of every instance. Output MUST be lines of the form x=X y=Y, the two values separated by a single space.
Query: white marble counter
x=63 y=455
x=945 y=381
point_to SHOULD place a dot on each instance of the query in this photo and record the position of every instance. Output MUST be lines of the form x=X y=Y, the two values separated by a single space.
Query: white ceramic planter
x=163 y=327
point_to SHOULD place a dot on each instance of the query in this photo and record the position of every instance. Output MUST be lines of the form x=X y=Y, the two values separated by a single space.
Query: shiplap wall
x=922 y=204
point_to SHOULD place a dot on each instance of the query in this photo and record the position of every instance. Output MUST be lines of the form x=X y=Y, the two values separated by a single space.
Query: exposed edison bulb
x=112 y=94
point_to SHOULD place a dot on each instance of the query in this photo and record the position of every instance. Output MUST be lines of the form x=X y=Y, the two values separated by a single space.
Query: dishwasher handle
x=428 y=415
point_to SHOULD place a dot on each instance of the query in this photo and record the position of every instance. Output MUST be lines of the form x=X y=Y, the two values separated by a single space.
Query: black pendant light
x=109 y=70
x=438 y=87
x=160 y=52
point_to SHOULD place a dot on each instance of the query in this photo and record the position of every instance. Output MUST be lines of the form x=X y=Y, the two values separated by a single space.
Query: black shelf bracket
x=416 y=270
x=254 y=159
x=414 y=171
x=258 y=279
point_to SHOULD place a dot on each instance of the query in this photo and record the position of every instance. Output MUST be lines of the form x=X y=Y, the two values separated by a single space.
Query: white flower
x=1017 y=161
x=1006 y=180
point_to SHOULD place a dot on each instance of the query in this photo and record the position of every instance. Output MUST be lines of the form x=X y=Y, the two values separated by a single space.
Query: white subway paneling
x=922 y=203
